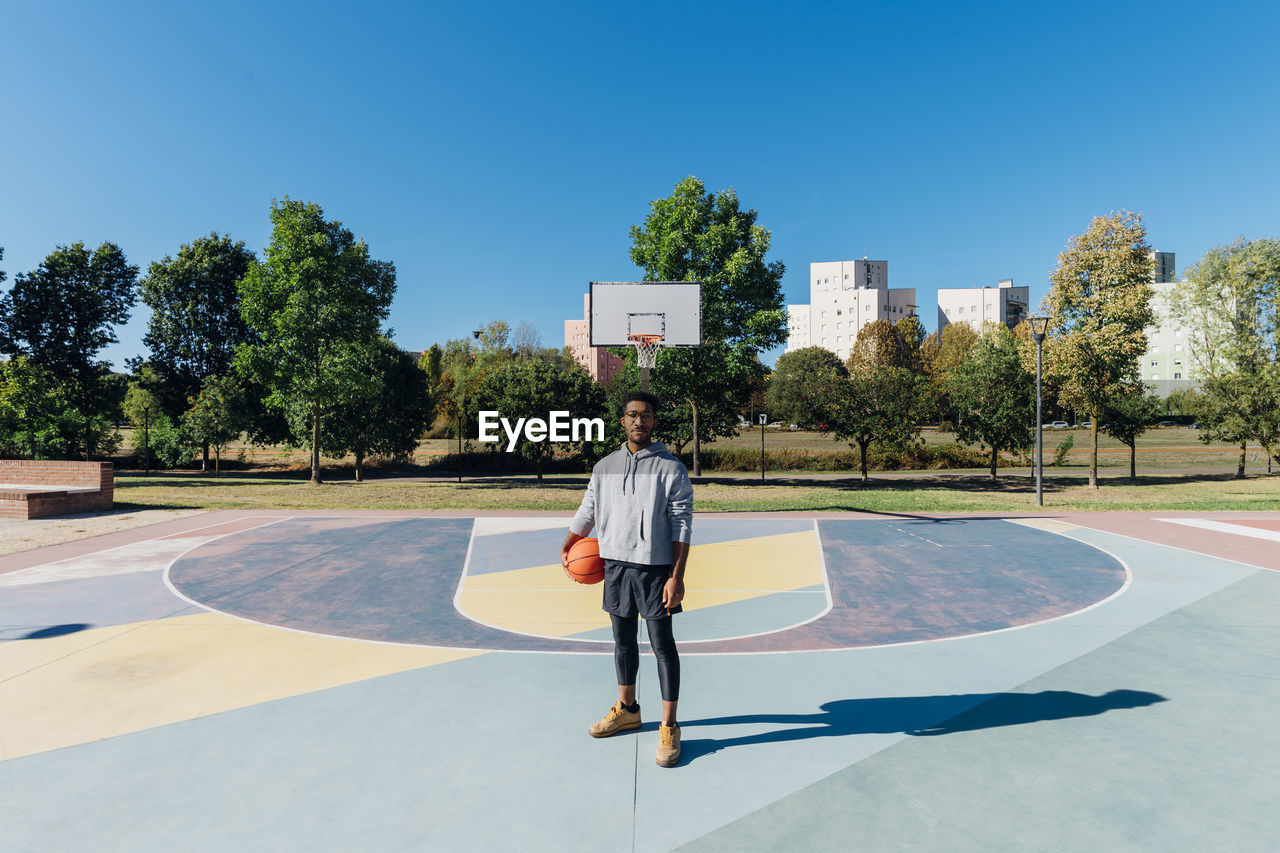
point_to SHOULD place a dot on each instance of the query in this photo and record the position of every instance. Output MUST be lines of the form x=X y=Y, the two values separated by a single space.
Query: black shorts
x=633 y=588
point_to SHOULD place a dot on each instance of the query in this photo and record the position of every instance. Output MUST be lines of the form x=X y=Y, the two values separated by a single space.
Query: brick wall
x=53 y=478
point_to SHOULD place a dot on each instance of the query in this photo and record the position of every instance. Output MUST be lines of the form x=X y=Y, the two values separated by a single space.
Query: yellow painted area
x=1050 y=524
x=63 y=691
x=541 y=600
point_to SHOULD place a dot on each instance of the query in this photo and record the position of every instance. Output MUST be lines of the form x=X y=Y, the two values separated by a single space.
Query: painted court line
x=1224 y=527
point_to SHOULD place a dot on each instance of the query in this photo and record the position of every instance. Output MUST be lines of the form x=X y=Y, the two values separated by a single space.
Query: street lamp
x=1039 y=325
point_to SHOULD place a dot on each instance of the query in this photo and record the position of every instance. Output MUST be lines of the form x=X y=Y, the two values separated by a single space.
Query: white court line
x=1225 y=527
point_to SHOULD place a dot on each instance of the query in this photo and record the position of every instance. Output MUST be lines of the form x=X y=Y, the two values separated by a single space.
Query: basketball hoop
x=647 y=347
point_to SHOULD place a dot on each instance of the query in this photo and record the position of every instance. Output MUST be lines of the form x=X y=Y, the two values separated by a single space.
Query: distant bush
x=913 y=457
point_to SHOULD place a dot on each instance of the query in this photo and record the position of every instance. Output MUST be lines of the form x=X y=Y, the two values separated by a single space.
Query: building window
x=1177 y=347
x=1155 y=376
x=1177 y=376
x=961 y=309
x=1155 y=364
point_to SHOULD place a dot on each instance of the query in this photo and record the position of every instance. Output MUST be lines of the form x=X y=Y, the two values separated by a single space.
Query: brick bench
x=34 y=489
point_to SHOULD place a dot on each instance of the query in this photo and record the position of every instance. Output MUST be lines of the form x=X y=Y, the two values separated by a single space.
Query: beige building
x=599 y=362
x=844 y=296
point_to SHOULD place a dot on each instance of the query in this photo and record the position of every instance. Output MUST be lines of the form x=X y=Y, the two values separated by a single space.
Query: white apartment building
x=977 y=306
x=1167 y=364
x=844 y=296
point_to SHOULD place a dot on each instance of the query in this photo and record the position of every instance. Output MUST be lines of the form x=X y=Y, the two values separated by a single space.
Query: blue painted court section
x=85 y=603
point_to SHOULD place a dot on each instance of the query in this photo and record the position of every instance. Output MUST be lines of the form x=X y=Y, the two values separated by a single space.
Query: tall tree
x=384 y=415
x=801 y=383
x=942 y=352
x=876 y=405
x=1099 y=303
x=1230 y=307
x=695 y=235
x=879 y=343
x=994 y=397
x=526 y=388
x=195 y=323
x=62 y=314
x=913 y=335
x=317 y=292
x=35 y=415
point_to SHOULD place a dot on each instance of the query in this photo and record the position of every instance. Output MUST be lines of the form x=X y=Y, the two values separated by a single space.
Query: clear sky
x=498 y=152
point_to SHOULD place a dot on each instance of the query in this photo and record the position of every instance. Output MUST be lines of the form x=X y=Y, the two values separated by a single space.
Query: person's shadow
x=918 y=716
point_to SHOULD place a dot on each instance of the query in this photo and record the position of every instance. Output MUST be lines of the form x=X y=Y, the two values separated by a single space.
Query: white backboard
x=672 y=309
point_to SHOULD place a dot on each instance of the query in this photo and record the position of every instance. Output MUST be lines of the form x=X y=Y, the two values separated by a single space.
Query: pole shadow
x=53 y=631
x=918 y=716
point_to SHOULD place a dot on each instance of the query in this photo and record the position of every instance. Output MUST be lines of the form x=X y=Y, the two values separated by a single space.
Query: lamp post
x=1038 y=327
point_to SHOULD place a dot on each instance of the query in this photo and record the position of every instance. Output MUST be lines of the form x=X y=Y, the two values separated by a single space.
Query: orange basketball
x=585 y=565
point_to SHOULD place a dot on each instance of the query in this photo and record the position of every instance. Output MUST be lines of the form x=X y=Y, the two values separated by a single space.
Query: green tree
x=877 y=404
x=695 y=235
x=1126 y=416
x=317 y=292
x=141 y=406
x=1230 y=307
x=879 y=344
x=35 y=414
x=528 y=388
x=942 y=352
x=1099 y=303
x=800 y=380
x=913 y=336
x=61 y=316
x=195 y=323
x=383 y=416
x=994 y=397
x=216 y=416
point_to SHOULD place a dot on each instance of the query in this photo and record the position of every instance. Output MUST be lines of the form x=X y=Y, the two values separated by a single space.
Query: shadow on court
x=54 y=631
x=918 y=716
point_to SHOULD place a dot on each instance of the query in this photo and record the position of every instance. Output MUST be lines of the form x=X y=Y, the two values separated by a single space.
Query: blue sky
x=498 y=153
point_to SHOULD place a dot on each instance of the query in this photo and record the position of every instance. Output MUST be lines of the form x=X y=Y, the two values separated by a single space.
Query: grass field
x=1176 y=472
x=911 y=493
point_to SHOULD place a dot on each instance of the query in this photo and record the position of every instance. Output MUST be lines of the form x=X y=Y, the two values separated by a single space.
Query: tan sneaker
x=619 y=719
x=668 y=745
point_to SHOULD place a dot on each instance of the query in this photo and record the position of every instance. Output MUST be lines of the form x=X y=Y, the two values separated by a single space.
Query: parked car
x=1167 y=423
x=1057 y=425
x=1087 y=425
x=1197 y=425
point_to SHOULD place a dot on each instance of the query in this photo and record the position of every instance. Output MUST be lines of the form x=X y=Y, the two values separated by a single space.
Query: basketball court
x=413 y=681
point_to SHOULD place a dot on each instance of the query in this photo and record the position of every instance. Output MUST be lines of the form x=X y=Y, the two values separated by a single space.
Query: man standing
x=640 y=503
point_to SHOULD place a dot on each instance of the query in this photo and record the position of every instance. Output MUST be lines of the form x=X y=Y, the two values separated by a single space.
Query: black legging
x=626 y=653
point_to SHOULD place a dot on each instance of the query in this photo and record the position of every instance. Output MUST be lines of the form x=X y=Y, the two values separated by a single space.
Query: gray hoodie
x=638 y=505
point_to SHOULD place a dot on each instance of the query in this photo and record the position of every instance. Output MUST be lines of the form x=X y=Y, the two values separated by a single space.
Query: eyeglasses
x=643 y=417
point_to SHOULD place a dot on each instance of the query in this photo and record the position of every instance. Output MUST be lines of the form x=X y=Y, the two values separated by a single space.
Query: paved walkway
x=417 y=681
